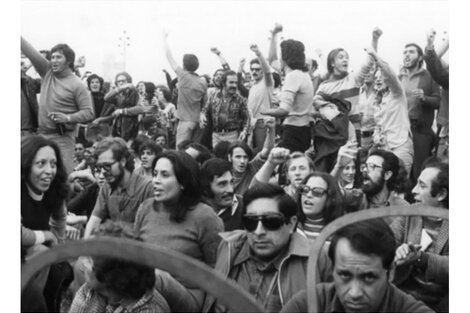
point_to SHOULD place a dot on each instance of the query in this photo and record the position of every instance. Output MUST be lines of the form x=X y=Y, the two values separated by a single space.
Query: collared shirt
x=121 y=204
x=227 y=112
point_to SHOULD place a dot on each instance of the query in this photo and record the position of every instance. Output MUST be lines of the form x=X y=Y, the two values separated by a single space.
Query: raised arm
x=269 y=141
x=168 y=53
x=444 y=47
x=221 y=58
x=39 y=62
x=390 y=78
x=434 y=64
x=272 y=54
x=268 y=77
x=276 y=157
x=366 y=66
x=241 y=87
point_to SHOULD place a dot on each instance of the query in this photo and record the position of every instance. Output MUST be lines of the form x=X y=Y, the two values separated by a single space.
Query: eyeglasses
x=370 y=167
x=255 y=69
x=121 y=81
x=317 y=192
x=106 y=166
x=270 y=222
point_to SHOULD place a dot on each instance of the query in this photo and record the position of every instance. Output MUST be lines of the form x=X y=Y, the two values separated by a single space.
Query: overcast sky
x=92 y=29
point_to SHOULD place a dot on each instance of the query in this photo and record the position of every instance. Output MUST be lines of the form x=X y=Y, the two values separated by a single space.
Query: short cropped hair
x=370 y=237
x=227 y=74
x=285 y=204
x=420 y=51
x=67 y=52
x=190 y=62
x=441 y=181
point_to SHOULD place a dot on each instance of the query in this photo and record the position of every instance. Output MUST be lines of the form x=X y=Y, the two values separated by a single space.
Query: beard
x=371 y=188
x=118 y=177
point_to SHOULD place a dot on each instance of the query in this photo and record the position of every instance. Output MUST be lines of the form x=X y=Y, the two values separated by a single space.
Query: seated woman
x=43 y=194
x=296 y=167
x=321 y=202
x=176 y=218
x=114 y=285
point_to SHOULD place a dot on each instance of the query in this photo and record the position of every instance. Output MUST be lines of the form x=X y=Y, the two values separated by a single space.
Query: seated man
x=423 y=256
x=114 y=285
x=217 y=188
x=362 y=255
x=268 y=259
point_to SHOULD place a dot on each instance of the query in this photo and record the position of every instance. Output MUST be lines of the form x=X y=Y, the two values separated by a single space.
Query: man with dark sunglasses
x=268 y=259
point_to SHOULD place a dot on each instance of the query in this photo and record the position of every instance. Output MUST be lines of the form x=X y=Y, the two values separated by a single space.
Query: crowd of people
x=240 y=171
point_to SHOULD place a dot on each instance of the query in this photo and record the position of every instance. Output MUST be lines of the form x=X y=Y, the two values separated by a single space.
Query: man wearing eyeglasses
x=268 y=259
x=382 y=182
x=260 y=96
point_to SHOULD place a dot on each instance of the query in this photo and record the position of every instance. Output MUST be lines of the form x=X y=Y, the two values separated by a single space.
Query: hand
x=418 y=94
x=347 y=153
x=255 y=49
x=431 y=36
x=270 y=123
x=164 y=71
x=277 y=28
x=242 y=136
x=202 y=120
x=50 y=239
x=329 y=111
x=72 y=233
x=125 y=86
x=278 y=155
x=215 y=51
x=372 y=53
x=376 y=33
x=58 y=117
x=407 y=253
x=117 y=112
x=242 y=65
x=445 y=37
x=73 y=219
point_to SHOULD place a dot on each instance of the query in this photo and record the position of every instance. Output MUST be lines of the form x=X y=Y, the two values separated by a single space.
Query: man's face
x=231 y=84
x=298 y=169
x=121 y=80
x=222 y=188
x=264 y=243
x=58 y=62
x=160 y=140
x=95 y=85
x=147 y=158
x=239 y=160
x=79 y=151
x=256 y=71
x=422 y=190
x=341 y=63
x=360 y=280
x=112 y=171
x=374 y=176
x=411 y=57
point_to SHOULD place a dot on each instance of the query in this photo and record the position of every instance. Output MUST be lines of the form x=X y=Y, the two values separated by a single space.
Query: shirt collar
x=234 y=207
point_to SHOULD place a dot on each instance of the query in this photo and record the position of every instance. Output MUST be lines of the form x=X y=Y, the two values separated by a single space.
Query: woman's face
x=95 y=85
x=141 y=88
x=43 y=170
x=165 y=184
x=349 y=171
x=298 y=169
x=312 y=205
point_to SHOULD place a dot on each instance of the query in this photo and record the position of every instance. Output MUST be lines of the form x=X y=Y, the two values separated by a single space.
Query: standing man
x=226 y=112
x=423 y=255
x=191 y=94
x=29 y=104
x=422 y=95
x=260 y=96
x=65 y=100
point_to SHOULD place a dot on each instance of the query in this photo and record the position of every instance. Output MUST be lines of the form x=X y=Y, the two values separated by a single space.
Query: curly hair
x=293 y=54
x=119 y=149
x=399 y=181
x=187 y=174
x=95 y=76
x=55 y=196
x=126 y=279
x=334 y=205
x=125 y=74
x=149 y=91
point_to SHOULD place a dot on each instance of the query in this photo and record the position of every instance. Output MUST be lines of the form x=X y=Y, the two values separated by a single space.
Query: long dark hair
x=58 y=191
x=334 y=206
x=187 y=174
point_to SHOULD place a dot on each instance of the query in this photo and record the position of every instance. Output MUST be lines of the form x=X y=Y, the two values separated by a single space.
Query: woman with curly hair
x=43 y=192
x=320 y=201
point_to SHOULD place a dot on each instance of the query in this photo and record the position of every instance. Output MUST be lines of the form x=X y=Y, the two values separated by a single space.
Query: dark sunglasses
x=253 y=69
x=316 y=191
x=270 y=222
x=106 y=166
